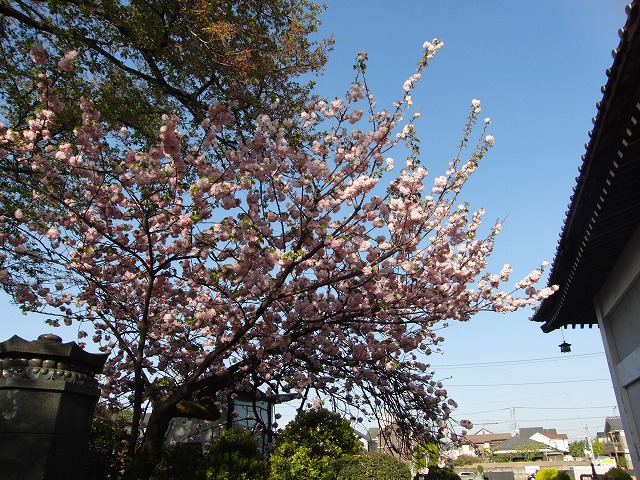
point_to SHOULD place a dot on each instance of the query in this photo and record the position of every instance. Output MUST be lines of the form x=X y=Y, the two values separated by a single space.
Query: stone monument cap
x=49 y=345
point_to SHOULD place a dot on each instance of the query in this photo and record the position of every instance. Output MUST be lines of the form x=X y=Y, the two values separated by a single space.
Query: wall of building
x=521 y=469
x=618 y=309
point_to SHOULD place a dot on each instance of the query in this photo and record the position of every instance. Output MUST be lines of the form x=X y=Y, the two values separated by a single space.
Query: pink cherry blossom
x=66 y=62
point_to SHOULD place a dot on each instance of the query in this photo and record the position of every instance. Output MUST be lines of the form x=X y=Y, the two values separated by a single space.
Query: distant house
x=615 y=438
x=523 y=448
x=550 y=437
x=597 y=262
x=481 y=440
x=527 y=445
x=369 y=440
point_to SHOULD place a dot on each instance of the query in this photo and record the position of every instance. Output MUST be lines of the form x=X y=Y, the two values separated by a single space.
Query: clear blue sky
x=538 y=68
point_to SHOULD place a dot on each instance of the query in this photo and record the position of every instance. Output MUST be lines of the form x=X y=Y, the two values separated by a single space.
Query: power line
x=534 y=408
x=527 y=383
x=511 y=420
x=519 y=362
x=565 y=408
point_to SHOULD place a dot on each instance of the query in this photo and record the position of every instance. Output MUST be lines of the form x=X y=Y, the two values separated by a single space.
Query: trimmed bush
x=236 y=456
x=233 y=455
x=377 y=466
x=547 y=474
x=618 y=474
x=444 y=473
x=182 y=462
x=309 y=444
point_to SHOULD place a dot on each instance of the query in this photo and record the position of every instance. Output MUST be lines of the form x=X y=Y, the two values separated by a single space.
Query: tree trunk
x=143 y=463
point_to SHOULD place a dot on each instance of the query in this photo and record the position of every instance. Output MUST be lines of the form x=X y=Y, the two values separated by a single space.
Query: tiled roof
x=519 y=441
x=493 y=437
x=612 y=424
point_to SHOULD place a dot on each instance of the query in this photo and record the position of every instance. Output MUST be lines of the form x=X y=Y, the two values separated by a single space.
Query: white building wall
x=618 y=309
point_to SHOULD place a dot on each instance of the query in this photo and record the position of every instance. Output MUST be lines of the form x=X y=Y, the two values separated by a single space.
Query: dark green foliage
x=371 y=465
x=106 y=449
x=618 y=474
x=183 y=462
x=140 y=59
x=308 y=445
x=236 y=457
x=446 y=473
x=564 y=476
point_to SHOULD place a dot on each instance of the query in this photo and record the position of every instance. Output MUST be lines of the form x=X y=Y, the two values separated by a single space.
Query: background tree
x=310 y=443
x=467 y=460
x=139 y=60
x=269 y=262
x=425 y=455
x=577 y=449
x=528 y=452
x=598 y=447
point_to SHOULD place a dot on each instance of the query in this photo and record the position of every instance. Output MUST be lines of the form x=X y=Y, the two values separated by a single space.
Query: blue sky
x=538 y=68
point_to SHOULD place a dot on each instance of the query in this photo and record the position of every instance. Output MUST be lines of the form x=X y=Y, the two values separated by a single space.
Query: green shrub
x=564 y=476
x=236 y=456
x=106 y=449
x=444 y=473
x=618 y=474
x=547 y=474
x=182 y=462
x=308 y=445
x=233 y=455
x=366 y=466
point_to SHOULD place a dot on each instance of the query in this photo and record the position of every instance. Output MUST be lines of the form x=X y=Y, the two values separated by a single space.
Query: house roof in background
x=559 y=436
x=612 y=424
x=519 y=441
x=605 y=207
x=484 y=438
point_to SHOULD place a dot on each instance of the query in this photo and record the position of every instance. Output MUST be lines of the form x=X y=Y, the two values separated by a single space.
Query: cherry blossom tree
x=284 y=263
x=138 y=60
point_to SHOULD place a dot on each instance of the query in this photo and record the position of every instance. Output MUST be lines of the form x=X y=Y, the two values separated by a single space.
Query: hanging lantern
x=565 y=347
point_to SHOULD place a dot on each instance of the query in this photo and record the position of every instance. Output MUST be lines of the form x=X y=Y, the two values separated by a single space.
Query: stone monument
x=48 y=393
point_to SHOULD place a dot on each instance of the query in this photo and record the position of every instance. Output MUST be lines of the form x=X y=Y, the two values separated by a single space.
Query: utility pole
x=514 y=425
x=586 y=427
